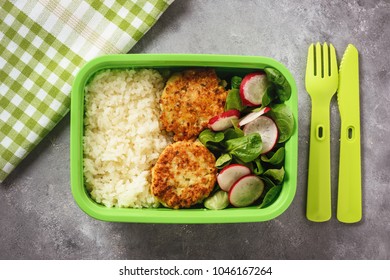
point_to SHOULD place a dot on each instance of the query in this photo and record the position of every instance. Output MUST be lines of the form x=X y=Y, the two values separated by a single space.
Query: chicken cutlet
x=190 y=98
x=184 y=174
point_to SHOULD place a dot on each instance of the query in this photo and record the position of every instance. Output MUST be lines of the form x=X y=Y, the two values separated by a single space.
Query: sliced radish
x=230 y=174
x=252 y=88
x=252 y=116
x=267 y=129
x=246 y=191
x=224 y=120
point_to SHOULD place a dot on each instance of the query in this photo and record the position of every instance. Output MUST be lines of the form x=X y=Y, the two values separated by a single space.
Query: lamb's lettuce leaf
x=245 y=148
x=233 y=100
x=284 y=119
x=281 y=85
x=275 y=158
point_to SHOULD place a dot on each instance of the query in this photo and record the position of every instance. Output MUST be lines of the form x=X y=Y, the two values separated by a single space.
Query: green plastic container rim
x=164 y=215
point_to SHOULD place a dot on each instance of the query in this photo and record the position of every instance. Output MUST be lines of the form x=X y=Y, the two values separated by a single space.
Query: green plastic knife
x=349 y=199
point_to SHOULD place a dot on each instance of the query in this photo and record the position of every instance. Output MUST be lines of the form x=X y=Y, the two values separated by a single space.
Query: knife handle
x=349 y=198
x=318 y=208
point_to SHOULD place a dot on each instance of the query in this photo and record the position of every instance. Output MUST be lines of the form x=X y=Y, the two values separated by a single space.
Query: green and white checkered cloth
x=43 y=43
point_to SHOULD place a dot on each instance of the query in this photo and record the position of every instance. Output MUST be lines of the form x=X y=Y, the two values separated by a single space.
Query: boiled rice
x=122 y=137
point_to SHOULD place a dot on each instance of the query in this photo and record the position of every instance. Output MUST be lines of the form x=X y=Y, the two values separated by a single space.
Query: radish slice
x=252 y=116
x=224 y=120
x=230 y=174
x=246 y=191
x=267 y=129
x=252 y=88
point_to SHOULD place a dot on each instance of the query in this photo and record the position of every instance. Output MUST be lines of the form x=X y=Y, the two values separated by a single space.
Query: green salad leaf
x=276 y=175
x=245 y=148
x=223 y=160
x=257 y=168
x=275 y=158
x=236 y=82
x=217 y=201
x=208 y=135
x=282 y=86
x=269 y=95
x=284 y=119
x=271 y=195
x=233 y=100
x=212 y=140
x=232 y=133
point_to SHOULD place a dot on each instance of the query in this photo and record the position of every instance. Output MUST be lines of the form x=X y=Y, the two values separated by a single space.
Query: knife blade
x=349 y=199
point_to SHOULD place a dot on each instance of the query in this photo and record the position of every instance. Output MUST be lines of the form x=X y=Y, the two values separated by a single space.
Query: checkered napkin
x=43 y=43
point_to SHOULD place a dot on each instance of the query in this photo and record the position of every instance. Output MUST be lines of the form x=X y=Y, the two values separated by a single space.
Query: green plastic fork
x=321 y=84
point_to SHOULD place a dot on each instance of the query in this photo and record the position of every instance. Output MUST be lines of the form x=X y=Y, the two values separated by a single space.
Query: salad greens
x=245 y=148
x=217 y=201
x=284 y=119
x=279 y=90
x=280 y=84
x=274 y=158
x=235 y=82
x=233 y=100
x=223 y=160
x=232 y=146
x=271 y=195
x=208 y=136
x=276 y=175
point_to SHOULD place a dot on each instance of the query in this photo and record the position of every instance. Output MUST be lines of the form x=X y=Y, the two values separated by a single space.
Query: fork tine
x=310 y=60
x=333 y=61
x=318 y=60
x=326 y=64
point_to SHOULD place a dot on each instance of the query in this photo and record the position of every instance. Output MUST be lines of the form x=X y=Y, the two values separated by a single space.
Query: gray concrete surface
x=40 y=220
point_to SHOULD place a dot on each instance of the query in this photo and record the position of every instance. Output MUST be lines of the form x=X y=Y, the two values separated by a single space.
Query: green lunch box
x=225 y=66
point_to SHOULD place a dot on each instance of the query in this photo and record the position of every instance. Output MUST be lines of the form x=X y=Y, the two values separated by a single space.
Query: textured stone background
x=40 y=220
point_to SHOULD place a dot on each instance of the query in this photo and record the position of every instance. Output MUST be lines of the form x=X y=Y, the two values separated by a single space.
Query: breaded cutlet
x=184 y=174
x=189 y=100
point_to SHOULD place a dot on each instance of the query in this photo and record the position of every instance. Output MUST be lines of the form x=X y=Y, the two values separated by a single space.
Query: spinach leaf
x=283 y=88
x=245 y=148
x=223 y=160
x=271 y=195
x=269 y=95
x=274 y=158
x=276 y=175
x=268 y=182
x=232 y=133
x=233 y=100
x=257 y=169
x=212 y=140
x=284 y=119
x=208 y=135
x=236 y=82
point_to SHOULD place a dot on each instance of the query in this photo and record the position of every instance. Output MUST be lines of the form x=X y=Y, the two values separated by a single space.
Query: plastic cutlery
x=349 y=198
x=321 y=83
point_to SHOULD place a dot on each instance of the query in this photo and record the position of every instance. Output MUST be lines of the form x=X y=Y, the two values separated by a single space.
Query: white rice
x=122 y=137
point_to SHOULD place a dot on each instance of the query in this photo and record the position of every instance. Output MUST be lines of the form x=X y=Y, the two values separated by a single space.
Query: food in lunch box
x=189 y=100
x=253 y=88
x=122 y=136
x=224 y=120
x=130 y=159
x=249 y=150
x=184 y=174
x=230 y=174
x=267 y=129
x=246 y=190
